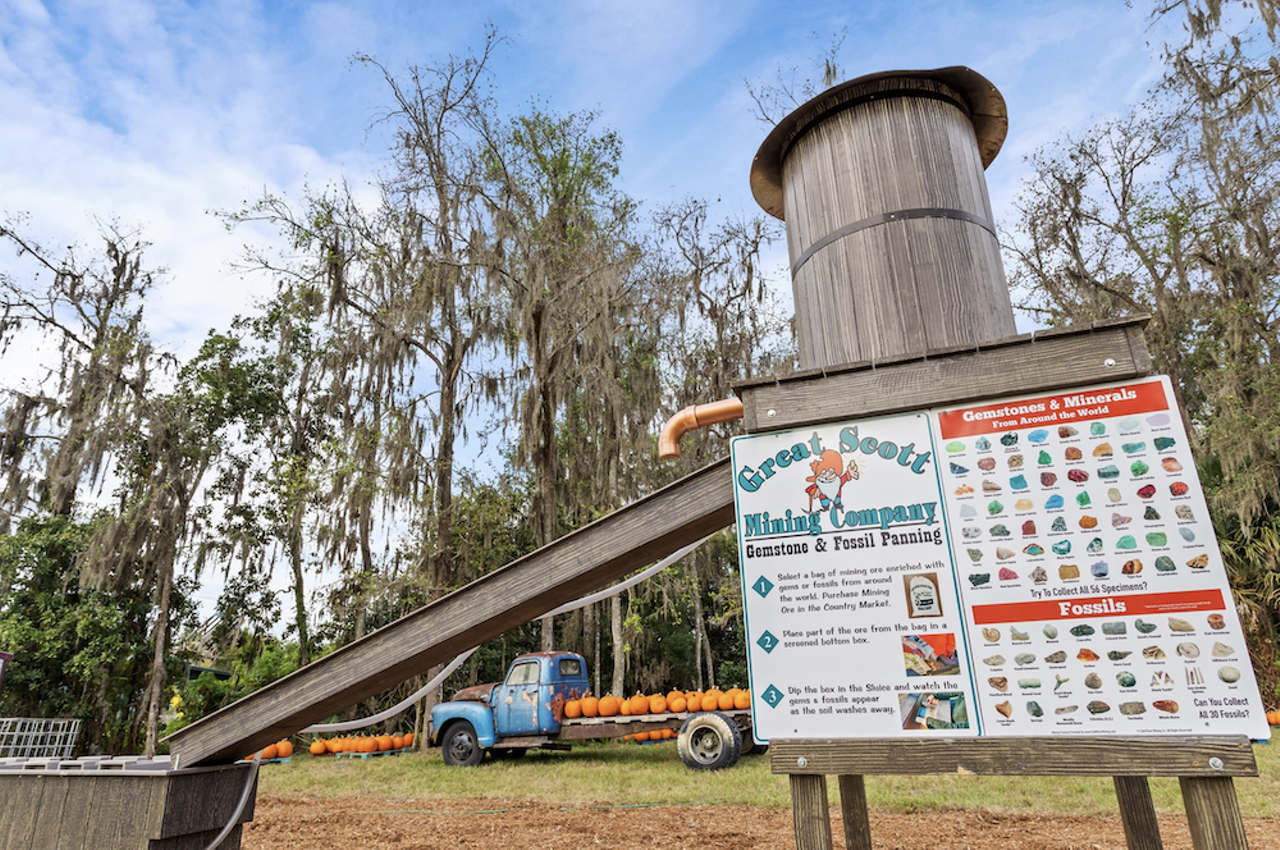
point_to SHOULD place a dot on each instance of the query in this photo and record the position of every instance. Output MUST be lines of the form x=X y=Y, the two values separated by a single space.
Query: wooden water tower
x=893 y=249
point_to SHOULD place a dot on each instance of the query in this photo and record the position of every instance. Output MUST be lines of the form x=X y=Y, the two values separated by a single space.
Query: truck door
x=516 y=700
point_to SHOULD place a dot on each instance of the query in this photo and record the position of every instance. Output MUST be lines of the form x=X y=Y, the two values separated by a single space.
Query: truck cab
x=524 y=710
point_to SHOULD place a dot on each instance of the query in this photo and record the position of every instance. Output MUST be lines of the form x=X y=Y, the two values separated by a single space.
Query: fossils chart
x=1041 y=565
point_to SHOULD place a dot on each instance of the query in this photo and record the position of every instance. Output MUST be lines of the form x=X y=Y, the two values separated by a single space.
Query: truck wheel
x=460 y=745
x=709 y=741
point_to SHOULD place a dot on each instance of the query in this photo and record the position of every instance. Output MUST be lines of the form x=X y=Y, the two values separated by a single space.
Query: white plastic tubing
x=348 y=725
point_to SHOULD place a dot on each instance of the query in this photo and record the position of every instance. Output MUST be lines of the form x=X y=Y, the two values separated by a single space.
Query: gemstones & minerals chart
x=1095 y=593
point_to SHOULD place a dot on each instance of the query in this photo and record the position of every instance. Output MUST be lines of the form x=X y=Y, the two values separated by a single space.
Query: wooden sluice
x=588 y=559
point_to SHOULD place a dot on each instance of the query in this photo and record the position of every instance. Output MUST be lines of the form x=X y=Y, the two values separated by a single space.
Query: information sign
x=851 y=602
x=1026 y=566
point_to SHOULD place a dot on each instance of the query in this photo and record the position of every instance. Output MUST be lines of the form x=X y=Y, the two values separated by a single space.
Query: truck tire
x=709 y=741
x=460 y=745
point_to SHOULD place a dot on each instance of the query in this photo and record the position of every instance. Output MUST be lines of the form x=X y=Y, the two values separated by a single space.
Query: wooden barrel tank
x=893 y=249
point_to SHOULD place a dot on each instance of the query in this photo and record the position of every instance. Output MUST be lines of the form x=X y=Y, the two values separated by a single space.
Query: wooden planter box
x=123 y=803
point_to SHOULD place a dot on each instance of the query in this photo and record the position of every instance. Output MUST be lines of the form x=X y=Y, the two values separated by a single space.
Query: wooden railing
x=1205 y=768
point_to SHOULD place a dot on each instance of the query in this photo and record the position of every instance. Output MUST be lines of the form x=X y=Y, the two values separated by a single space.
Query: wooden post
x=811 y=815
x=1138 y=813
x=853 y=811
x=1213 y=813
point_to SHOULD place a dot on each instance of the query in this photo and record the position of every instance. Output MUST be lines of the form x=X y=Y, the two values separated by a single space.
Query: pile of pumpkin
x=675 y=702
x=279 y=750
x=1273 y=718
x=653 y=736
x=361 y=744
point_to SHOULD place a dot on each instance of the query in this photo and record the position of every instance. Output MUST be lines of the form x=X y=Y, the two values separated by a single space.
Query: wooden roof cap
x=986 y=109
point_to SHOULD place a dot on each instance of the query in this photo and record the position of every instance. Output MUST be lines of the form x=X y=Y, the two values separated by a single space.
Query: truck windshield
x=523 y=674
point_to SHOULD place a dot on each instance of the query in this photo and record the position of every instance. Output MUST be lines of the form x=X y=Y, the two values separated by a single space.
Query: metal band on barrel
x=886 y=218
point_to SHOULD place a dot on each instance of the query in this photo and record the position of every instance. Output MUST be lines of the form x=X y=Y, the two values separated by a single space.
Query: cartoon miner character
x=829 y=477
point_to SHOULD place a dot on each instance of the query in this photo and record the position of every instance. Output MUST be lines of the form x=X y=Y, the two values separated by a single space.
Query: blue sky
x=159 y=112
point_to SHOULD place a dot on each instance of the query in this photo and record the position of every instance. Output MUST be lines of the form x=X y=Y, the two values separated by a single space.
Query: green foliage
x=78 y=652
x=256 y=662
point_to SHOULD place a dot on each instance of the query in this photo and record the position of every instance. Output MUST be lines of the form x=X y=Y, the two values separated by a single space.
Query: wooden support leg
x=1138 y=813
x=809 y=809
x=1213 y=813
x=853 y=809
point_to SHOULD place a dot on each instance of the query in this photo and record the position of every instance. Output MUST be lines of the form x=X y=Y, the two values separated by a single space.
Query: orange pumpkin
x=742 y=699
x=624 y=707
x=590 y=707
x=671 y=695
x=608 y=706
x=285 y=749
x=573 y=708
x=725 y=701
x=318 y=747
x=657 y=704
x=384 y=743
x=397 y=742
x=408 y=740
x=639 y=705
x=640 y=736
x=678 y=704
x=694 y=702
x=271 y=751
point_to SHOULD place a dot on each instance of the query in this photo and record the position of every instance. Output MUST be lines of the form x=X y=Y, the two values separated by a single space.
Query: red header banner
x=1053 y=410
x=1120 y=605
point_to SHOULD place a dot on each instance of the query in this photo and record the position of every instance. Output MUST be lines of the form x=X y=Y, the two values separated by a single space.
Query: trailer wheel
x=460 y=745
x=709 y=741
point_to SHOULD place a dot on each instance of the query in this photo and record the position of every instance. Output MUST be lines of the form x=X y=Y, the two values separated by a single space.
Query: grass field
x=629 y=775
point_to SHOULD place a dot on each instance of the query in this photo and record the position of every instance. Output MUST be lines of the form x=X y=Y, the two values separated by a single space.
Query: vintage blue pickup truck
x=526 y=711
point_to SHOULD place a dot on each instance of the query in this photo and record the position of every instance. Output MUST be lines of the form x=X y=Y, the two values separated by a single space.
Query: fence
x=24 y=737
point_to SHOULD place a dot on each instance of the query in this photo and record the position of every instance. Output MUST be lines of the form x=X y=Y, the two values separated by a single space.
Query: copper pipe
x=695 y=416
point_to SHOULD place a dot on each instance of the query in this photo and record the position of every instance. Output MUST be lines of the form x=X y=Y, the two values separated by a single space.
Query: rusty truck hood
x=476 y=693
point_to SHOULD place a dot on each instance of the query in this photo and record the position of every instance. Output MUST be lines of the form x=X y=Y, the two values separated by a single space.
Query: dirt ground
x=292 y=822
